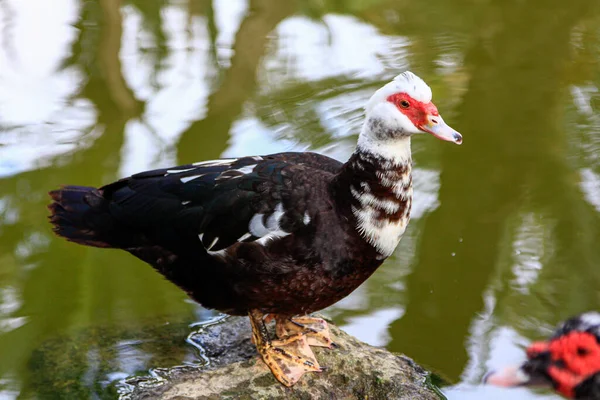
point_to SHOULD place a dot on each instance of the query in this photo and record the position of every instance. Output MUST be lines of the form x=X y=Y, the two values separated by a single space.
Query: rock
x=355 y=370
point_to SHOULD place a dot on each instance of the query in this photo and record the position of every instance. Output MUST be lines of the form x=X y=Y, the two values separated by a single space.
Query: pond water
x=503 y=243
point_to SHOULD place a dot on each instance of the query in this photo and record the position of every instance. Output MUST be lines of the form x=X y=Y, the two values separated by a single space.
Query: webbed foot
x=288 y=358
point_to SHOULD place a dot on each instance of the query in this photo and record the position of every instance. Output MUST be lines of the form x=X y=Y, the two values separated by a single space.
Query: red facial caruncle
x=416 y=111
x=424 y=116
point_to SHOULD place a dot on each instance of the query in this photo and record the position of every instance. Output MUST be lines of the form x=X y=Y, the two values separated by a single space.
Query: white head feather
x=389 y=118
x=406 y=82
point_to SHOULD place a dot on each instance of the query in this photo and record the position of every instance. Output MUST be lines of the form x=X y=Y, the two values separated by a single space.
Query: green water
x=504 y=238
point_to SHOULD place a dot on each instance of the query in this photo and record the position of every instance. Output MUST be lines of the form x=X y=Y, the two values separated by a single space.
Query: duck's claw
x=316 y=330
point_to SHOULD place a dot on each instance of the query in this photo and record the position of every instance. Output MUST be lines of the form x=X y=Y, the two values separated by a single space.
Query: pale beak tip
x=510 y=376
x=457 y=138
x=487 y=376
x=438 y=128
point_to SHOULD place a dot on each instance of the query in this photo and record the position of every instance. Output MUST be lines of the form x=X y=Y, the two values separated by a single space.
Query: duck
x=275 y=237
x=569 y=361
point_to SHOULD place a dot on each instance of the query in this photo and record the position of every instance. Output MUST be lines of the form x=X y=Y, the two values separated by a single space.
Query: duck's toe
x=316 y=330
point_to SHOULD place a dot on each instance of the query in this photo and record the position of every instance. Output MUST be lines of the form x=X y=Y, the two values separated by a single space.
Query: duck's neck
x=374 y=188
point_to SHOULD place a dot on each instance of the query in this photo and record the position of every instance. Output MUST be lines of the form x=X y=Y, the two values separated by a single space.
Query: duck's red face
x=425 y=117
x=569 y=362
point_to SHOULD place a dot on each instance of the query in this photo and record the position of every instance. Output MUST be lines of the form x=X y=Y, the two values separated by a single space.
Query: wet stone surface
x=354 y=370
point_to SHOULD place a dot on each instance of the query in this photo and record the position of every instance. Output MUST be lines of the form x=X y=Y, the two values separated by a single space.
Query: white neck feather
x=396 y=150
x=377 y=218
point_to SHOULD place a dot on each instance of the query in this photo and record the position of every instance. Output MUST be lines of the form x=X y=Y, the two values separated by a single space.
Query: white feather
x=178 y=171
x=220 y=253
x=402 y=192
x=271 y=230
x=306 y=218
x=215 y=240
x=591 y=318
x=381 y=234
x=273 y=220
x=368 y=200
x=402 y=187
x=406 y=82
x=212 y=163
x=256 y=226
x=186 y=179
x=213 y=253
x=247 y=169
x=273 y=235
x=244 y=237
x=396 y=152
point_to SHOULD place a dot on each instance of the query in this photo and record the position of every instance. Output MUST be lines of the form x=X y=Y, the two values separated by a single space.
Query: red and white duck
x=569 y=361
x=281 y=234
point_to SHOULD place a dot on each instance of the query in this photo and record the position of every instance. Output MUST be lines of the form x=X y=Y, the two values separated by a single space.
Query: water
x=503 y=241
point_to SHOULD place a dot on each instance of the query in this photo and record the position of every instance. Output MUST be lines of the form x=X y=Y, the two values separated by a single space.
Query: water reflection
x=502 y=244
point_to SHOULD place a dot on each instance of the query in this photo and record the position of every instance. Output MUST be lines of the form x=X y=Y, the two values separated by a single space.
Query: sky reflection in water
x=503 y=239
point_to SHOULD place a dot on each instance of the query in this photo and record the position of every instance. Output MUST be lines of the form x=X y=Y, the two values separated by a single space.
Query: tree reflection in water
x=504 y=229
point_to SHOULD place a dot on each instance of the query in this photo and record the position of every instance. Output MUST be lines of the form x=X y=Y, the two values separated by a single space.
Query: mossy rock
x=355 y=370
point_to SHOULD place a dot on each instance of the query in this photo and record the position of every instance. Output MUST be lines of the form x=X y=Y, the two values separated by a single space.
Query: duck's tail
x=80 y=214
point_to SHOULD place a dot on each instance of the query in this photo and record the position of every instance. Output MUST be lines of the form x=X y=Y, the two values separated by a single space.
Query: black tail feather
x=79 y=214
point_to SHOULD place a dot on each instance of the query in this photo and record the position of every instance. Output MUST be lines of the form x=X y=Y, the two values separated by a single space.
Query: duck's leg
x=288 y=358
x=315 y=329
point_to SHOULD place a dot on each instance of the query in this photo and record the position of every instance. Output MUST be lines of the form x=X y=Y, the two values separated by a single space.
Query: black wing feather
x=213 y=200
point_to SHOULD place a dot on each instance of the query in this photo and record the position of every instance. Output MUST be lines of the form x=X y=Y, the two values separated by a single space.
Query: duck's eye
x=582 y=351
x=404 y=104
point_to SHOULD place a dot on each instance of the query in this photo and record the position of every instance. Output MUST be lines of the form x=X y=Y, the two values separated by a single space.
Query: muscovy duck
x=569 y=361
x=274 y=236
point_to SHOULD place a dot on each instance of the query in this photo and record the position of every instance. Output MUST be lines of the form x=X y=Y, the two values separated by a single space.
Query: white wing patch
x=269 y=229
x=273 y=220
x=257 y=228
x=265 y=227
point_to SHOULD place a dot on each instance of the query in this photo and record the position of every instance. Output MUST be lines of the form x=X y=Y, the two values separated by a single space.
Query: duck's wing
x=222 y=202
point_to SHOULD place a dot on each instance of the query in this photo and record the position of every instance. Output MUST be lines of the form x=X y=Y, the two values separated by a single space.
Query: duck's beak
x=437 y=127
x=510 y=376
x=515 y=376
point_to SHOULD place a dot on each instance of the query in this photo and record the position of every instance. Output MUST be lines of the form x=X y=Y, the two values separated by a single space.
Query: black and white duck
x=273 y=236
